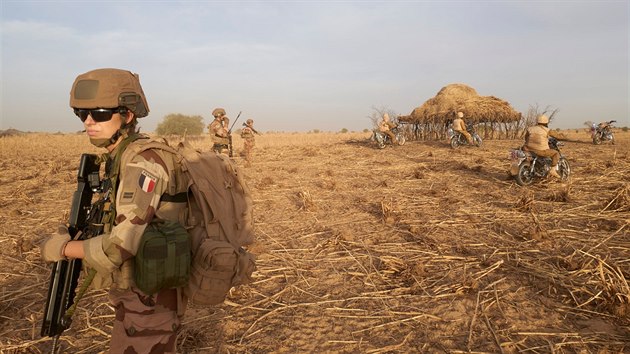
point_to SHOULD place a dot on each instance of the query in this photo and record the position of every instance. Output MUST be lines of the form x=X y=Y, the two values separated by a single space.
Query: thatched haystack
x=431 y=120
x=460 y=97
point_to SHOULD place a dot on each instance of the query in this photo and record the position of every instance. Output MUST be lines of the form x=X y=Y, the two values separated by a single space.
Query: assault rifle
x=254 y=130
x=230 y=135
x=64 y=276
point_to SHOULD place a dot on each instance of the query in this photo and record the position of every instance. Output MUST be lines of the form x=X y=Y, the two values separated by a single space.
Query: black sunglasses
x=99 y=114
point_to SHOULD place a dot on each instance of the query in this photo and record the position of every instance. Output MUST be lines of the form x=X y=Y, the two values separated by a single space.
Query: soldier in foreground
x=109 y=103
x=220 y=131
x=248 y=140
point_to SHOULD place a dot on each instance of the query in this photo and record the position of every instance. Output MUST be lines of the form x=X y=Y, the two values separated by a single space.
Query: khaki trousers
x=467 y=135
x=392 y=137
x=554 y=154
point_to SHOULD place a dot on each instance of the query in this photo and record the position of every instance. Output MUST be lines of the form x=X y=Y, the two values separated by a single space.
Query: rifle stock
x=64 y=275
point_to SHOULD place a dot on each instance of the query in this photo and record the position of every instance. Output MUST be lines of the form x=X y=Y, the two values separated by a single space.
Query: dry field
x=417 y=248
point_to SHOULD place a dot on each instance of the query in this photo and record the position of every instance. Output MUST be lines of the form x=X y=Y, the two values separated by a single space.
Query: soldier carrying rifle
x=140 y=190
x=220 y=132
x=248 y=140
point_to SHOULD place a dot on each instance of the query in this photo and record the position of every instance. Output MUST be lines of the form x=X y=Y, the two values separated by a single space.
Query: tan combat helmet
x=218 y=112
x=109 y=88
x=249 y=122
x=460 y=114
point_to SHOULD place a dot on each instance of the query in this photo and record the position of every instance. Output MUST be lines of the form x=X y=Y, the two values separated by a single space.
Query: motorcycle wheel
x=381 y=145
x=477 y=140
x=524 y=177
x=564 y=169
x=401 y=140
x=455 y=142
x=597 y=140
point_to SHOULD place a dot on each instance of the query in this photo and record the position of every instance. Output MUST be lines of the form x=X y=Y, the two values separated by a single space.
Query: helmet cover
x=218 y=112
x=109 y=88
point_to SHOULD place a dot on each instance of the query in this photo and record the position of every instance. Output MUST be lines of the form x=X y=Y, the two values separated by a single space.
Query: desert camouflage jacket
x=145 y=182
x=219 y=127
x=247 y=133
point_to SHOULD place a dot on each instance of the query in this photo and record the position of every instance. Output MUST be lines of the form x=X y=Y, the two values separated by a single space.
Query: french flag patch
x=147 y=182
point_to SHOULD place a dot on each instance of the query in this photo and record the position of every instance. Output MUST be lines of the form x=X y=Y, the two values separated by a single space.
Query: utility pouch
x=216 y=268
x=163 y=258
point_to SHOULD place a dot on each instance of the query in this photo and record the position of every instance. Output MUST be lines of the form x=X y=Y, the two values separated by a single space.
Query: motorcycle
x=458 y=139
x=383 y=139
x=603 y=133
x=527 y=166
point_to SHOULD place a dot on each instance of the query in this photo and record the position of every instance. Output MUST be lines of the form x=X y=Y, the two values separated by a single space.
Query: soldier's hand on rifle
x=52 y=248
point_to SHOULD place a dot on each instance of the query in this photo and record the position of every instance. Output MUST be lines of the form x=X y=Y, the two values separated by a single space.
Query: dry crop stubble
x=406 y=249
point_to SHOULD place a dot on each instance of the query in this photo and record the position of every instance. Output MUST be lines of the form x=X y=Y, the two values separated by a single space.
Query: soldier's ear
x=129 y=117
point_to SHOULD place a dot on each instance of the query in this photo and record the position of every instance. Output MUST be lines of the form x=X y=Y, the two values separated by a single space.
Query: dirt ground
x=416 y=248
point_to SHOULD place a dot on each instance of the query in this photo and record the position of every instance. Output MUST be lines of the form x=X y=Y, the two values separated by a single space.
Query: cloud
x=36 y=31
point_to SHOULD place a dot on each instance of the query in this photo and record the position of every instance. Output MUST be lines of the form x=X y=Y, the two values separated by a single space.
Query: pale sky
x=305 y=65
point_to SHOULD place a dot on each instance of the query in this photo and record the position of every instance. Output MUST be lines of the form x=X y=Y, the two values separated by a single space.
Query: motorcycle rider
x=605 y=126
x=537 y=141
x=385 y=126
x=460 y=126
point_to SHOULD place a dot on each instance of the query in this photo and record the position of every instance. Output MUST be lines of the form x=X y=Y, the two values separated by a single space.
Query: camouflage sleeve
x=142 y=183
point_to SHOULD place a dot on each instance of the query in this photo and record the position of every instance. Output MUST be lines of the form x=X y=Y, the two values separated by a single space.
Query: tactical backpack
x=219 y=221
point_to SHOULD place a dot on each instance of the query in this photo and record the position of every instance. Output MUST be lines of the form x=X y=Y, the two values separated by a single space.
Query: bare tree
x=532 y=114
x=377 y=114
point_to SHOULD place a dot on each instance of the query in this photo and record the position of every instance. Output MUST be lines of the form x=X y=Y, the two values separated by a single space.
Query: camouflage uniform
x=248 y=141
x=143 y=323
x=143 y=186
x=219 y=131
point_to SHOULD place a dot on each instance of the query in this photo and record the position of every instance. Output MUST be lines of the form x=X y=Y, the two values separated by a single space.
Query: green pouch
x=163 y=258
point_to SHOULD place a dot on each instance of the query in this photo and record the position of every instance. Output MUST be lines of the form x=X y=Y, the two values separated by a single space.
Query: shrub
x=179 y=124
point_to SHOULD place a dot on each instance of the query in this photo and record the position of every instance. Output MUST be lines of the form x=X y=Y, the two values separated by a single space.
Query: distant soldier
x=219 y=131
x=248 y=140
x=460 y=126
